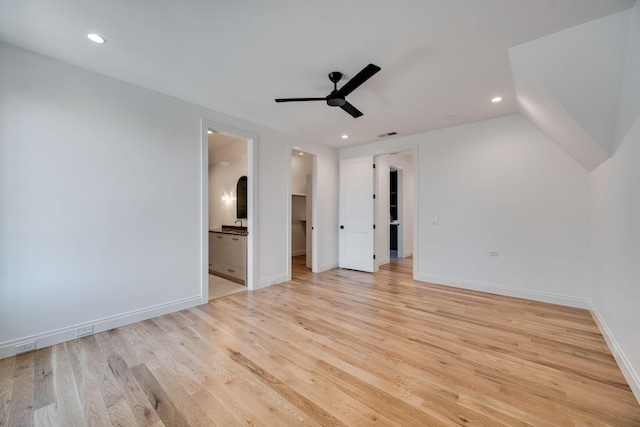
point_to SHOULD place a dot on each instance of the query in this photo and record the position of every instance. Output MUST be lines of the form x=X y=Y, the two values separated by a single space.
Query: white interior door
x=357 y=214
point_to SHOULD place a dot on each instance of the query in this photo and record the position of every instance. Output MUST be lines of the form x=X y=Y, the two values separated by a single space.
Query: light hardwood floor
x=337 y=348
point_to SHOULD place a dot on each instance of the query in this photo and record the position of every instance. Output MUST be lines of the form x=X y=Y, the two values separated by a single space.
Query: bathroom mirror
x=241 y=198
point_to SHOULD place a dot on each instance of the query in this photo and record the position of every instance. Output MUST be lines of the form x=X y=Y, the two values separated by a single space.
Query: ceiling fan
x=337 y=96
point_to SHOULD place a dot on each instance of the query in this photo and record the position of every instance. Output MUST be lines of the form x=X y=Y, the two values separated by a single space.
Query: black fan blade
x=299 y=99
x=351 y=110
x=365 y=74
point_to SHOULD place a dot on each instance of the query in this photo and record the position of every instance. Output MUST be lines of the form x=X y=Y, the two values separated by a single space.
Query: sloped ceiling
x=568 y=84
x=438 y=58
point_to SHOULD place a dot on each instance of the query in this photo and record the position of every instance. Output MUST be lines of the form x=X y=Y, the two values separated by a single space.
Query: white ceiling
x=438 y=57
x=217 y=139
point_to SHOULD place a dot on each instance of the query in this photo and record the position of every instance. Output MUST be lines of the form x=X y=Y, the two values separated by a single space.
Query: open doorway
x=394 y=208
x=227 y=213
x=234 y=151
x=400 y=205
x=302 y=184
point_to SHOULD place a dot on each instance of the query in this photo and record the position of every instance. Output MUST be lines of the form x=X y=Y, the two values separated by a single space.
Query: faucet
x=239 y=221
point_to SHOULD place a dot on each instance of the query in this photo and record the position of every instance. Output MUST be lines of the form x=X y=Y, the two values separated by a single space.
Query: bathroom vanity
x=228 y=253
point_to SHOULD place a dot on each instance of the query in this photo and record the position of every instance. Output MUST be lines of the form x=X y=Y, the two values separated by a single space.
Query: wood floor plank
x=336 y=348
x=88 y=381
x=22 y=396
x=158 y=398
x=7 y=373
x=178 y=395
x=45 y=416
x=145 y=415
x=309 y=408
x=221 y=413
x=43 y=379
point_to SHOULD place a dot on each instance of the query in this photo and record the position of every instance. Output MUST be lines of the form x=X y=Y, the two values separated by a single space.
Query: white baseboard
x=328 y=266
x=47 y=339
x=507 y=291
x=298 y=252
x=272 y=281
x=627 y=370
x=407 y=253
x=383 y=261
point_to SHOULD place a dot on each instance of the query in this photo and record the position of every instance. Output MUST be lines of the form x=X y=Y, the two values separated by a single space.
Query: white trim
x=328 y=266
x=415 y=251
x=623 y=362
x=384 y=260
x=204 y=217
x=274 y=280
x=507 y=291
x=314 y=215
x=289 y=231
x=57 y=336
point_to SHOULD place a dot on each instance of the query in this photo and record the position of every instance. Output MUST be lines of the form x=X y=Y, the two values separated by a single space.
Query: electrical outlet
x=85 y=330
x=25 y=347
x=494 y=253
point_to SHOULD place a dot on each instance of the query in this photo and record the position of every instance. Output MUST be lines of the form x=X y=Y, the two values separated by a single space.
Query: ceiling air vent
x=384 y=135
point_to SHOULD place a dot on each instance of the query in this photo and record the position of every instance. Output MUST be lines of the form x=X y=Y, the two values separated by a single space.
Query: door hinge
x=374 y=165
x=374 y=196
x=374 y=256
x=374 y=226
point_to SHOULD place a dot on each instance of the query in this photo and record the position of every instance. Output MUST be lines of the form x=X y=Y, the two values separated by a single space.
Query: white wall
x=503 y=185
x=227 y=163
x=298 y=229
x=499 y=185
x=615 y=229
x=100 y=200
x=301 y=166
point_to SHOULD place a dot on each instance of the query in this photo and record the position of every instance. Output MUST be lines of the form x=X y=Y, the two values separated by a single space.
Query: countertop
x=237 y=233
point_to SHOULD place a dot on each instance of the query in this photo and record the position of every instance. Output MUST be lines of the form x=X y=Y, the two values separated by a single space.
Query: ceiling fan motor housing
x=335 y=100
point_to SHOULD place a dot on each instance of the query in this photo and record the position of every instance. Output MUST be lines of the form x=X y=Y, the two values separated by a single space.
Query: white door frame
x=313 y=226
x=252 y=198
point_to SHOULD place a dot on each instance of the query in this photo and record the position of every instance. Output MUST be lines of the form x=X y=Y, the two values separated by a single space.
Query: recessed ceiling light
x=302 y=154
x=209 y=131
x=96 y=38
x=496 y=99
x=452 y=117
x=345 y=136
